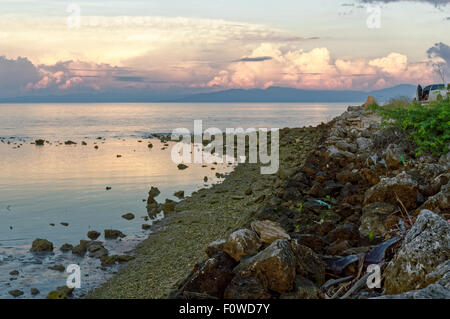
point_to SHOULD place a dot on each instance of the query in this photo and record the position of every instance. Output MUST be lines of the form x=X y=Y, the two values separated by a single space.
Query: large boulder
x=269 y=231
x=276 y=264
x=387 y=188
x=241 y=243
x=425 y=247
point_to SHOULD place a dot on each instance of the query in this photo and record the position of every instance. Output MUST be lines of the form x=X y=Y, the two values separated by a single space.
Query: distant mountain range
x=281 y=94
x=271 y=94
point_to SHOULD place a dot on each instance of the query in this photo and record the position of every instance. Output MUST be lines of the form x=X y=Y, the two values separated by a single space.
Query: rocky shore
x=350 y=202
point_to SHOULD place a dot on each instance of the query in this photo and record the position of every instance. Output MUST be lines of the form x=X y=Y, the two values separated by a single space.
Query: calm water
x=43 y=185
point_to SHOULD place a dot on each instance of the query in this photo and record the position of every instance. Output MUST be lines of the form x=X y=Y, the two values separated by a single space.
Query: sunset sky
x=45 y=48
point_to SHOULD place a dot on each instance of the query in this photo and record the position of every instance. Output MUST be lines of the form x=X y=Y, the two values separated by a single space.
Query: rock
x=402 y=185
x=344 y=146
x=312 y=241
x=169 y=206
x=14 y=273
x=108 y=260
x=146 y=226
x=83 y=143
x=70 y=143
x=96 y=250
x=154 y=191
x=41 y=245
x=439 y=203
x=212 y=276
x=215 y=247
x=80 y=249
x=304 y=289
x=241 y=243
x=62 y=292
x=113 y=234
x=34 y=291
x=16 y=293
x=393 y=156
x=93 y=235
x=434 y=291
x=65 y=224
x=276 y=264
x=347 y=231
x=374 y=218
x=338 y=247
x=179 y=194
x=66 y=247
x=269 y=231
x=425 y=247
x=364 y=144
x=39 y=142
x=124 y=258
x=150 y=145
x=59 y=268
x=246 y=287
x=128 y=216
x=307 y=263
x=182 y=166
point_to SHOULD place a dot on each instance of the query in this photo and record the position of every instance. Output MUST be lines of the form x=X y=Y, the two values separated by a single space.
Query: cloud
x=440 y=50
x=317 y=69
x=436 y=3
x=254 y=59
x=15 y=74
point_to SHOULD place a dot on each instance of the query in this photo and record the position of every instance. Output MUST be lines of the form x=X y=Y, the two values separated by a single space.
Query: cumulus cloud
x=317 y=69
x=15 y=74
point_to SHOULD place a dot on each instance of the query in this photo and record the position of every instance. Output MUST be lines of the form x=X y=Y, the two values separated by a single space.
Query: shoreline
x=177 y=243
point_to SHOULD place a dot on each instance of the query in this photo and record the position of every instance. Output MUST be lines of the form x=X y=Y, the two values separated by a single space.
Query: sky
x=57 y=47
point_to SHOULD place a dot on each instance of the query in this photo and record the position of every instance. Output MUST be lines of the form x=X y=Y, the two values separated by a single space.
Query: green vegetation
x=428 y=125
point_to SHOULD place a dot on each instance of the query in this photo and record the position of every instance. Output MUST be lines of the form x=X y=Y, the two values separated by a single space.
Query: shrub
x=428 y=125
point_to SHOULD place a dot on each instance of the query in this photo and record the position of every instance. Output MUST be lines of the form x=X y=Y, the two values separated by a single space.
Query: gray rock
x=364 y=144
x=425 y=247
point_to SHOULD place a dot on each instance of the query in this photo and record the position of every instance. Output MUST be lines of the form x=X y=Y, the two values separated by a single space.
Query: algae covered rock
x=41 y=245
